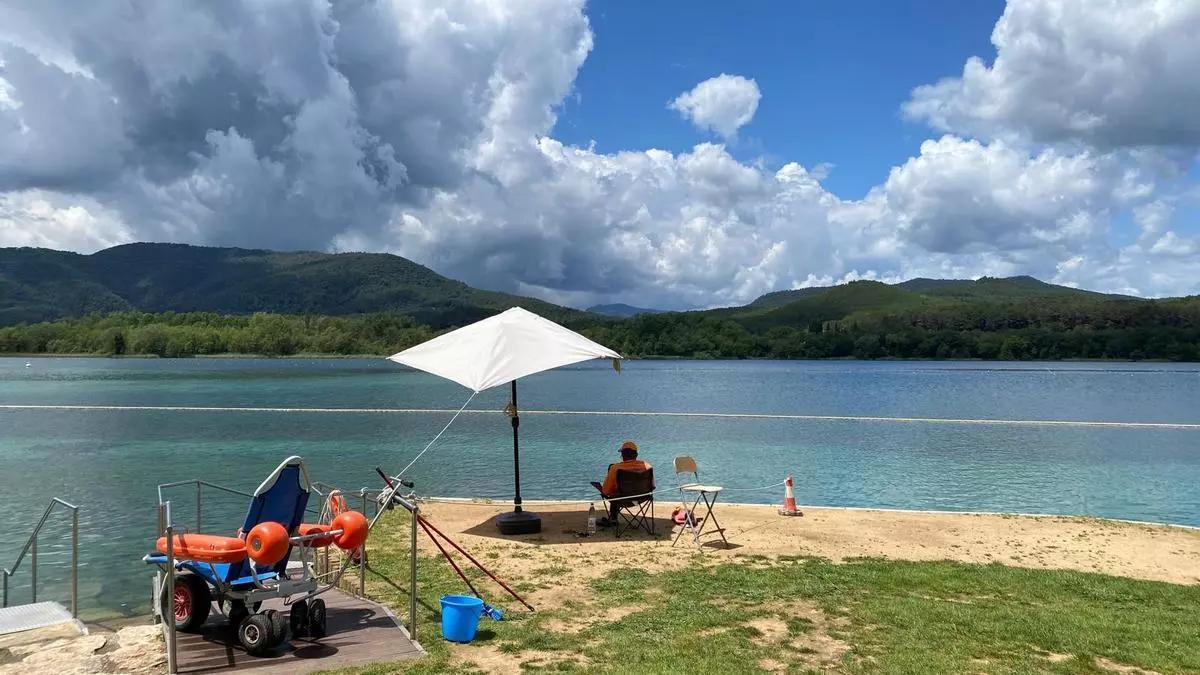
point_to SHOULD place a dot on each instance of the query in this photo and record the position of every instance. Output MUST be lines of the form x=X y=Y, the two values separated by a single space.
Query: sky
x=667 y=154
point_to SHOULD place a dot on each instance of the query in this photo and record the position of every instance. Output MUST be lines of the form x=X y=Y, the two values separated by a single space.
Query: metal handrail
x=31 y=546
x=200 y=485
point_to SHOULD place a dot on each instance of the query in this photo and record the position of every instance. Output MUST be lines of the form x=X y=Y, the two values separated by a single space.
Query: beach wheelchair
x=240 y=572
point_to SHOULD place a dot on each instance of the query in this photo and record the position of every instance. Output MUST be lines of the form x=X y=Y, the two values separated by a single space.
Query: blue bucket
x=460 y=617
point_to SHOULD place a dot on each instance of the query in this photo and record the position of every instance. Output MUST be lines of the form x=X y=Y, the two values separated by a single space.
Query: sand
x=1141 y=551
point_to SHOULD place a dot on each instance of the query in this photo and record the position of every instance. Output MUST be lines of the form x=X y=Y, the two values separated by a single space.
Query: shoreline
x=480 y=501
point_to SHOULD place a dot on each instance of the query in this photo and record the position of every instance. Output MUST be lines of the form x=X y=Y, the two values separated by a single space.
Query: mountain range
x=43 y=285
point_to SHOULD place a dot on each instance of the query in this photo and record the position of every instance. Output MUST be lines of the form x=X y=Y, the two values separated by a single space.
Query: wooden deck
x=360 y=632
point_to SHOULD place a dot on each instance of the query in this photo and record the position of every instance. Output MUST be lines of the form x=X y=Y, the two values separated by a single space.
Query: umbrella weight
x=519 y=522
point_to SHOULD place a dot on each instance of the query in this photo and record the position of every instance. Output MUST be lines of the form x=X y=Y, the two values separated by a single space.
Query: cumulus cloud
x=425 y=128
x=722 y=104
x=961 y=195
x=47 y=220
x=276 y=123
x=697 y=228
x=1109 y=73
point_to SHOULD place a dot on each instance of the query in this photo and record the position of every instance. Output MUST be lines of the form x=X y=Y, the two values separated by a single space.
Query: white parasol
x=498 y=350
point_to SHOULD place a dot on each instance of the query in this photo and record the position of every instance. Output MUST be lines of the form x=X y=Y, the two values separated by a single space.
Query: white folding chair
x=698 y=492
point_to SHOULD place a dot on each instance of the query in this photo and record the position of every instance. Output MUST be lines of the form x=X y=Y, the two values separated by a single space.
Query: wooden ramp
x=360 y=632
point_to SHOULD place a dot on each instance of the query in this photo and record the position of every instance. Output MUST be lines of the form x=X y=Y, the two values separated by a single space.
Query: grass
x=802 y=615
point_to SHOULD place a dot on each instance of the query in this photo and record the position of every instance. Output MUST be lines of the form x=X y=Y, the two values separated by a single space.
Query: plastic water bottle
x=591 y=528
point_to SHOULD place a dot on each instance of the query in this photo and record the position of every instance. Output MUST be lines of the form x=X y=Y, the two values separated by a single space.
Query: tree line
x=1049 y=330
x=1163 y=330
x=173 y=334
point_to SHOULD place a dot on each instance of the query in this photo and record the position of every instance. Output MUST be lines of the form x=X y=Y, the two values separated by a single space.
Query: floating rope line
x=624 y=413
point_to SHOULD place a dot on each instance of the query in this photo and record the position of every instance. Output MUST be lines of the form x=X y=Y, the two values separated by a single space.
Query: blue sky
x=833 y=76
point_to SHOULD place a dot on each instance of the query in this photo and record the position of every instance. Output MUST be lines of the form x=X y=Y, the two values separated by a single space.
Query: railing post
x=169 y=619
x=5 y=575
x=33 y=567
x=412 y=582
x=362 y=555
x=75 y=563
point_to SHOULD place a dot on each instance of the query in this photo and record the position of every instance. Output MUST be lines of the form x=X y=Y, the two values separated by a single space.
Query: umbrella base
x=519 y=522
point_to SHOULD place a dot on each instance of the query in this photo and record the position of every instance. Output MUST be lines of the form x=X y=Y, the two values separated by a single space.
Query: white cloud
x=1108 y=73
x=46 y=220
x=423 y=128
x=961 y=195
x=724 y=104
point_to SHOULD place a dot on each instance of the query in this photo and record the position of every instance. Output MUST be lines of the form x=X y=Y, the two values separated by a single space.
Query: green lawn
x=810 y=615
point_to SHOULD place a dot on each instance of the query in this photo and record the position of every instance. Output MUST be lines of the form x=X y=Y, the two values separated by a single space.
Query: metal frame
x=633 y=512
x=699 y=526
x=31 y=547
x=383 y=500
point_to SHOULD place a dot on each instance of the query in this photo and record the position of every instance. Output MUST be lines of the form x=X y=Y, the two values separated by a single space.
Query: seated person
x=629 y=462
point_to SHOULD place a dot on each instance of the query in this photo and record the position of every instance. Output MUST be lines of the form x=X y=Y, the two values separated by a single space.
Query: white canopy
x=500 y=349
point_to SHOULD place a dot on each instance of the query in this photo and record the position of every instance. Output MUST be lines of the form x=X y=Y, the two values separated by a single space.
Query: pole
x=169 y=619
x=33 y=563
x=75 y=563
x=475 y=562
x=362 y=555
x=412 y=582
x=516 y=422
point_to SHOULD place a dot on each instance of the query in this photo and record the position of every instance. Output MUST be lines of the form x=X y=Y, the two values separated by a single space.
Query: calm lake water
x=110 y=462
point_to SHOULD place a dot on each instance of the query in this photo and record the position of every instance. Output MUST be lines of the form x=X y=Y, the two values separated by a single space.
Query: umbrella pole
x=516 y=422
x=517 y=521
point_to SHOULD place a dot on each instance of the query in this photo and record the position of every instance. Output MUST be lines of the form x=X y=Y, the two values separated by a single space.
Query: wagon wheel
x=193 y=601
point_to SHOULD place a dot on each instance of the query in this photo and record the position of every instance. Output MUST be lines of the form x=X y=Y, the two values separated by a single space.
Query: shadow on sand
x=567 y=527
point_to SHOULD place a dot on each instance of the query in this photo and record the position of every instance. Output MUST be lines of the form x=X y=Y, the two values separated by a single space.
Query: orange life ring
x=337 y=504
x=209 y=548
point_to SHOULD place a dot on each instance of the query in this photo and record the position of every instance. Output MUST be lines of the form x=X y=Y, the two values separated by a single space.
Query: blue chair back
x=281 y=498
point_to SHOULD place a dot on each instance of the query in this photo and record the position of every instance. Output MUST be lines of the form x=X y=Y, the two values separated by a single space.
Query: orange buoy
x=354 y=529
x=315 y=528
x=267 y=543
x=209 y=548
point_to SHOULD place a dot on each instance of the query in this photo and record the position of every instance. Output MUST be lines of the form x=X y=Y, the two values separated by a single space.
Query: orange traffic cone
x=789 y=500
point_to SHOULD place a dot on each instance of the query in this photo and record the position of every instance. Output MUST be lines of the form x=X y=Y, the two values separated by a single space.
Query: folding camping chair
x=694 y=523
x=635 y=512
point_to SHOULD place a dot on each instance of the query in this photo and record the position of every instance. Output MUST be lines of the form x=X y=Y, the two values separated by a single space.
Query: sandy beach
x=1140 y=551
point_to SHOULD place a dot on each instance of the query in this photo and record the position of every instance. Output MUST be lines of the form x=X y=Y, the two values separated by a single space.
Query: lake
x=110 y=461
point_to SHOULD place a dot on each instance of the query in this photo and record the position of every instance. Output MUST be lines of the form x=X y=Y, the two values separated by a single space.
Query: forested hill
x=42 y=284
x=1013 y=318
x=176 y=300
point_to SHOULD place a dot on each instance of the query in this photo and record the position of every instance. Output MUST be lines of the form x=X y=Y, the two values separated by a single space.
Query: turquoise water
x=109 y=462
